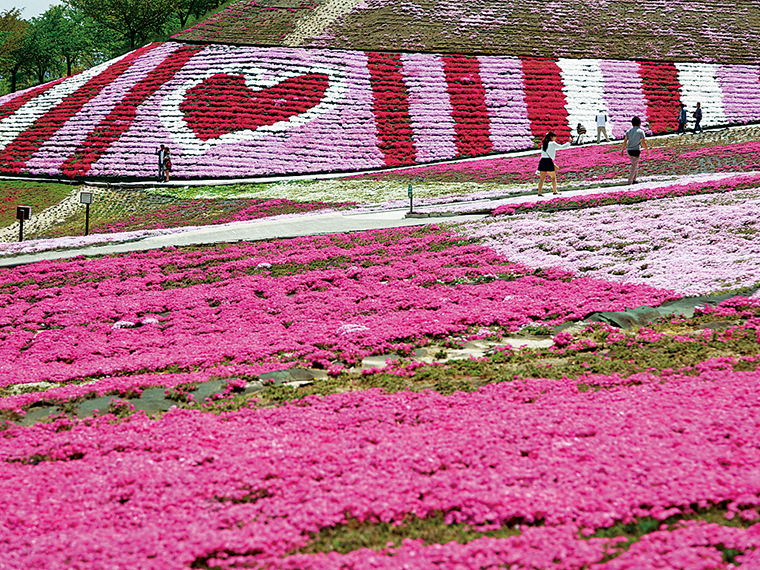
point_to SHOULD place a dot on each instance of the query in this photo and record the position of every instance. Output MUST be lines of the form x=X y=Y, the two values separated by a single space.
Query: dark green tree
x=13 y=57
x=134 y=20
x=41 y=48
x=71 y=40
x=183 y=9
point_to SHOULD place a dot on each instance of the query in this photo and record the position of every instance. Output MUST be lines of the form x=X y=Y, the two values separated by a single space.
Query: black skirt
x=546 y=165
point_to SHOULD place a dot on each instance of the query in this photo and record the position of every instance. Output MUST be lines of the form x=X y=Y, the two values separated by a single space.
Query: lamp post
x=86 y=198
x=411 y=200
x=22 y=213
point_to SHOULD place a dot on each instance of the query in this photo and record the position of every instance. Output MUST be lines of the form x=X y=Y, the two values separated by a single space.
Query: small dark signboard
x=23 y=212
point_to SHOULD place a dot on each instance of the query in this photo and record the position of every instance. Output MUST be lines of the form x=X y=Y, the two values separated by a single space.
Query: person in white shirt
x=546 y=166
x=601 y=126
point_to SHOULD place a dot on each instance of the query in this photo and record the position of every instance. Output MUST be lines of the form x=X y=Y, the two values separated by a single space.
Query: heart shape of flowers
x=224 y=104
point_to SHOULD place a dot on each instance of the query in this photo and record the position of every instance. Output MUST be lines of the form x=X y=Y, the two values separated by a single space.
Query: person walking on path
x=601 y=126
x=698 y=118
x=632 y=142
x=546 y=166
x=682 y=120
x=161 y=152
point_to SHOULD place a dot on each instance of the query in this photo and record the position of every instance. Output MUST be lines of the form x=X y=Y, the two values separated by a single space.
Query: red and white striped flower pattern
x=228 y=111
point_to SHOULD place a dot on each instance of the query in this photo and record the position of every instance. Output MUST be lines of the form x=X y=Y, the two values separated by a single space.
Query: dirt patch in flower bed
x=724 y=338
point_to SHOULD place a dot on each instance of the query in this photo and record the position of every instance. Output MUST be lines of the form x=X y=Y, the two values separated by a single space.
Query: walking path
x=292 y=225
x=262 y=229
x=297 y=225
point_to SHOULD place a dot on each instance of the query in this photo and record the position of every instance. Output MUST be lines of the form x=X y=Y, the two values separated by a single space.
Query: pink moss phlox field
x=693 y=546
x=633 y=195
x=308 y=300
x=248 y=486
x=695 y=245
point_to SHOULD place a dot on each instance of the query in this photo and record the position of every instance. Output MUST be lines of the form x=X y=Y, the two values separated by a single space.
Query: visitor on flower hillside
x=634 y=139
x=698 y=118
x=682 y=120
x=581 y=130
x=161 y=152
x=549 y=148
x=601 y=126
x=167 y=165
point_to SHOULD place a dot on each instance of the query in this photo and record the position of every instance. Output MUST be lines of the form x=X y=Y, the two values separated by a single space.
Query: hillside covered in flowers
x=665 y=30
x=236 y=111
x=567 y=382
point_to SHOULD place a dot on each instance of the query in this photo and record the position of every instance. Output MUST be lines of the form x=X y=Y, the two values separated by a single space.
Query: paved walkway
x=327 y=223
x=320 y=224
x=262 y=229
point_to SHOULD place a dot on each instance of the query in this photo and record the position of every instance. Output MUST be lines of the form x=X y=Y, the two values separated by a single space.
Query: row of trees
x=82 y=33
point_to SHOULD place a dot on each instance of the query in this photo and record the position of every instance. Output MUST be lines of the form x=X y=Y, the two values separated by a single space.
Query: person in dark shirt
x=682 y=120
x=698 y=119
x=161 y=152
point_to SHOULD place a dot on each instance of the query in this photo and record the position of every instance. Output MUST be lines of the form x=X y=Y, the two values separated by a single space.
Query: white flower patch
x=123 y=325
x=584 y=90
x=348 y=329
x=699 y=84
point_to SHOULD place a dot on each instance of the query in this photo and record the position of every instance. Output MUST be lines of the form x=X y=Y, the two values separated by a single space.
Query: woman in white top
x=549 y=150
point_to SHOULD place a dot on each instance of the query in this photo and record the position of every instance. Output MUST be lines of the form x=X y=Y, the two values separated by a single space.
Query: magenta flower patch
x=245 y=489
x=243 y=309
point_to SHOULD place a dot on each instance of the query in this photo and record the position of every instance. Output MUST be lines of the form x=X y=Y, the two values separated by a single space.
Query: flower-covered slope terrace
x=664 y=30
x=229 y=112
